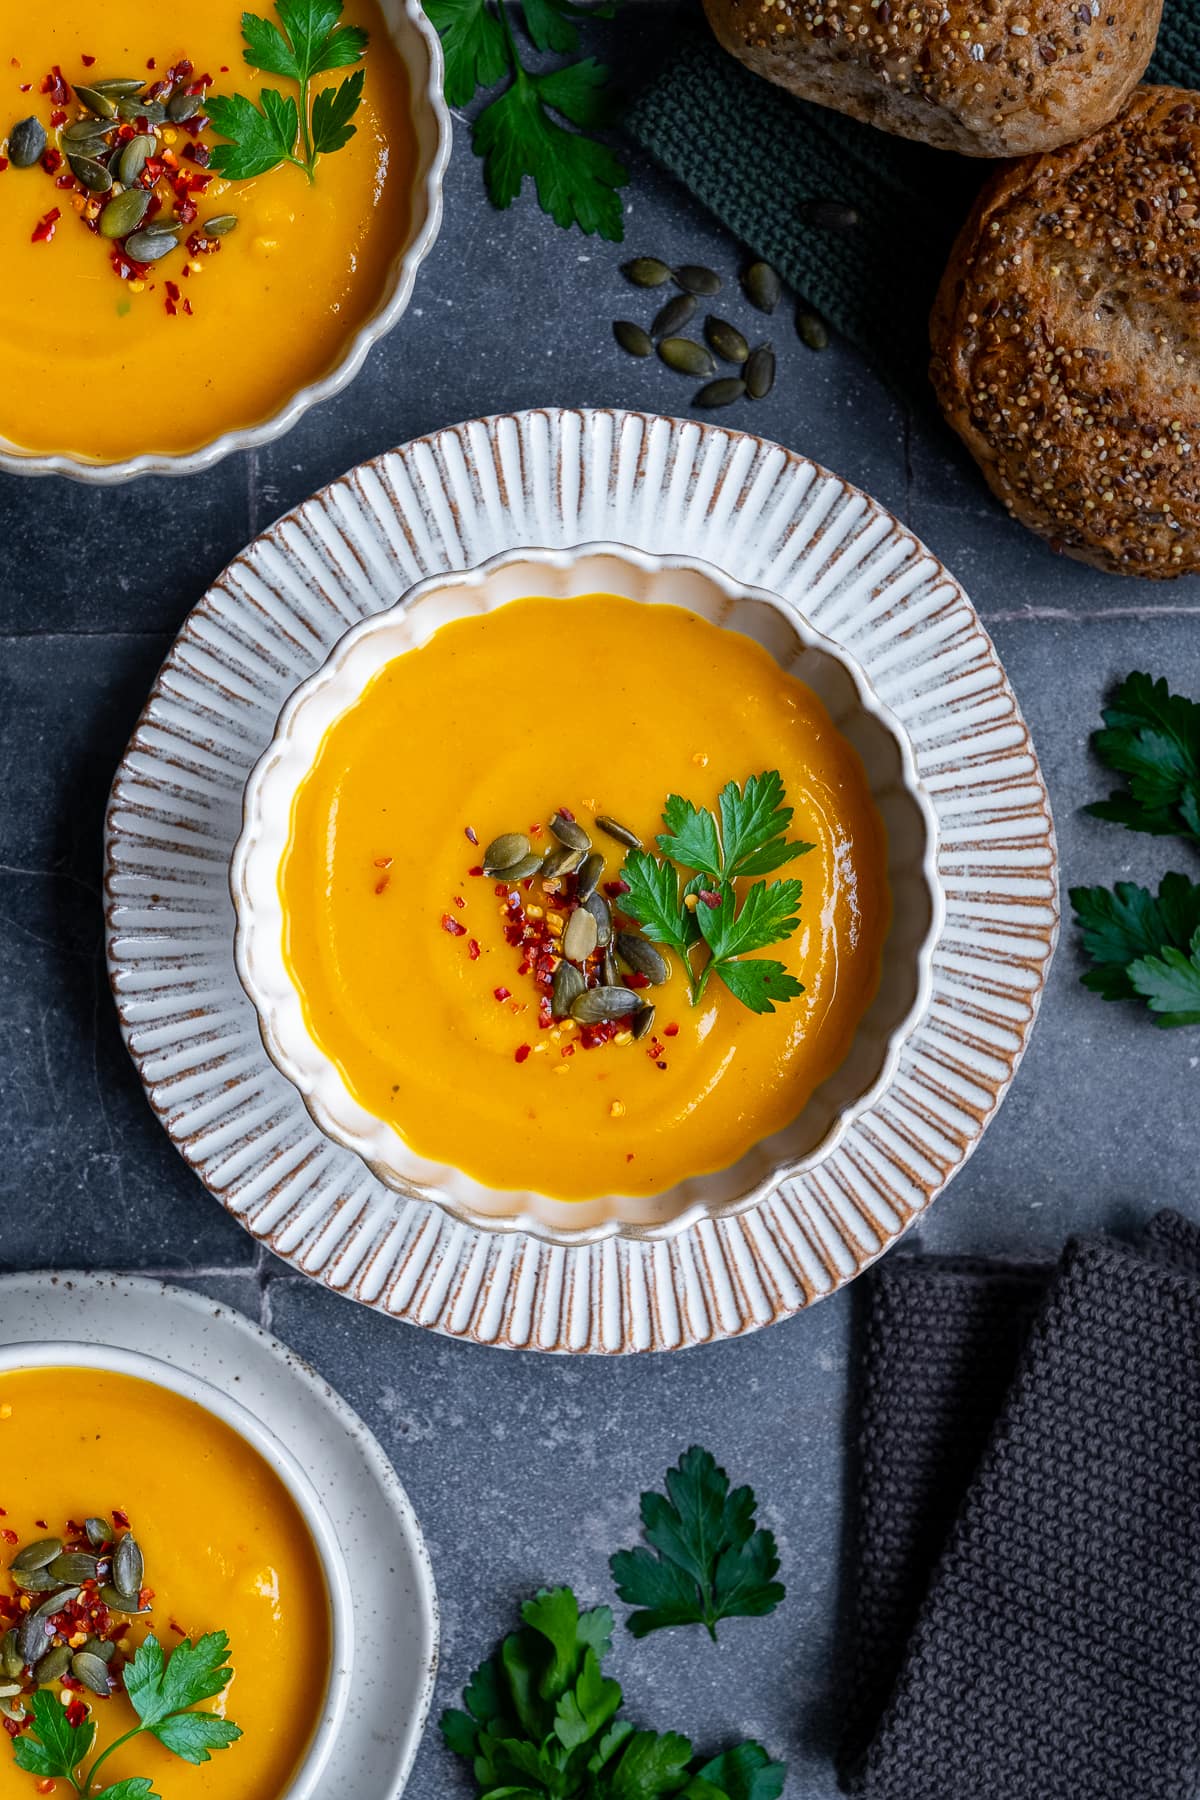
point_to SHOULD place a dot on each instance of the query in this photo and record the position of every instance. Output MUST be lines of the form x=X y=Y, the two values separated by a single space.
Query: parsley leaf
x=759 y=983
x=767 y=915
x=540 y=1723
x=754 y=827
x=52 y=1747
x=518 y=134
x=691 y=837
x=158 y=1686
x=277 y=130
x=653 y=899
x=1144 y=947
x=708 y=1561
x=136 y=1788
x=1152 y=737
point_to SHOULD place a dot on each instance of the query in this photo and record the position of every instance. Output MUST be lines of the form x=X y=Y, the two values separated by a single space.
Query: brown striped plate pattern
x=557 y=478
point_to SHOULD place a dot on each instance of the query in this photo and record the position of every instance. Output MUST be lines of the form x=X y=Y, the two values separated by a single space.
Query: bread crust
x=983 y=77
x=1064 y=340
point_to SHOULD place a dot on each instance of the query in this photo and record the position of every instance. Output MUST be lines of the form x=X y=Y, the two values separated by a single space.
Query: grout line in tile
x=1068 y=615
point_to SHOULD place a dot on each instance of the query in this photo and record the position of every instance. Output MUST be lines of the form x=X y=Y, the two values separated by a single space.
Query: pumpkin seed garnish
x=601 y=911
x=74 y=1565
x=504 y=853
x=150 y=246
x=591 y=869
x=89 y=1669
x=687 y=357
x=94 y=176
x=99 y=1532
x=812 y=331
x=565 y=989
x=670 y=319
x=528 y=865
x=220 y=225
x=570 y=832
x=118 y=87
x=183 y=106
x=646 y=272
x=694 y=278
x=726 y=339
x=36 y=1556
x=581 y=936
x=10 y=1659
x=721 y=393
x=96 y=102
x=104 y=1648
x=131 y=110
x=56 y=1602
x=760 y=372
x=603 y=1003
x=34 y=1581
x=613 y=828
x=128 y=1565
x=88 y=131
x=643 y=1020
x=124 y=213
x=26 y=142
x=133 y=158
x=632 y=338
x=612 y=975
x=762 y=286
x=119 y=1602
x=641 y=956
x=31 y=1639
x=563 y=861
x=56 y=1662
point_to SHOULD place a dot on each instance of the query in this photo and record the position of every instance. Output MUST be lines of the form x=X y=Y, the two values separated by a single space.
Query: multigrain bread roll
x=1066 y=339
x=983 y=77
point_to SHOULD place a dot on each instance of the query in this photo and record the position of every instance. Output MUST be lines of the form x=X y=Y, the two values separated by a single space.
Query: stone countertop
x=526 y=1469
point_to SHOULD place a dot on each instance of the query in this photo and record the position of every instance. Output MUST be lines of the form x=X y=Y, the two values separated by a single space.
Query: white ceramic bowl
x=420 y=49
x=66 y=1355
x=856 y=711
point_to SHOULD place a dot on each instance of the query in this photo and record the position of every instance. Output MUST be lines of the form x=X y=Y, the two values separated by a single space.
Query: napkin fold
x=754 y=155
x=1028 y=1611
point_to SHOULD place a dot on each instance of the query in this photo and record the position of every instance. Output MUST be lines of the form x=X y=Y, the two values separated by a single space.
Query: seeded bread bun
x=983 y=77
x=1064 y=339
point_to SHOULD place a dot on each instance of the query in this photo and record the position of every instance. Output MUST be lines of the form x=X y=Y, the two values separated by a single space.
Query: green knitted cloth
x=754 y=155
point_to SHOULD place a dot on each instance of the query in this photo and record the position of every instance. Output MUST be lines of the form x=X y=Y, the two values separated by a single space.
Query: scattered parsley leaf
x=278 y=130
x=539 y=1723
x=1144 y=947
x=51 y=1747
x=1152 y=737
x=708 y=1561
x=518 y=134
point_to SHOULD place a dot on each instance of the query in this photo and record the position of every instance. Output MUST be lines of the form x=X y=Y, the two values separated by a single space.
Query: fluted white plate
x=555 y=478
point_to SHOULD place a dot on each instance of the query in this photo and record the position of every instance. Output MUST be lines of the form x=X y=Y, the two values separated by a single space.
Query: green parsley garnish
x=161 y=1689
x=1144 y=948
x=749 y=837
x=1152 y=737
x=707 y=1560
x=277 y=130
x=517 y=134
x=540 y=1723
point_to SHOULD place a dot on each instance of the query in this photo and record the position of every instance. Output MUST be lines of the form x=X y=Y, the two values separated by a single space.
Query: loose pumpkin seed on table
x=762 y=286
x=726 y=339
x=695 y=278
x=671 y=318
x=812 y=331
x=646 y=272
x=760 y=372
x=687 y=357
x=722 y=392
x=634 y=339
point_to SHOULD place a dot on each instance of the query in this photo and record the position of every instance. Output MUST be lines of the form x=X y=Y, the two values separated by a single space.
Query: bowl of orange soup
x=586 y=891
x=141 y=1512
x=204 y=226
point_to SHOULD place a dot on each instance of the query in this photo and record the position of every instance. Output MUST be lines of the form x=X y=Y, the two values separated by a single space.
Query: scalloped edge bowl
x=137 y=1364
x=887 y=755
x=421 y=50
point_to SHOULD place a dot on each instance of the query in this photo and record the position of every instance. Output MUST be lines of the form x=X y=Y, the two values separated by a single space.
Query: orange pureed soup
x=406 y=956
x=106 y=367
x=225 y=1550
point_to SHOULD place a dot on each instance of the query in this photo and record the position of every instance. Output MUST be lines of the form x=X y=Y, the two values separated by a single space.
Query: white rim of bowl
x=63 y=1354
x=402 y=275
x=523 y=1221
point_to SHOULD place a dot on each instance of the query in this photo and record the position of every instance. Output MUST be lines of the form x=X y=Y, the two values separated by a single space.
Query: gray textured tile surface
x=526 y=1470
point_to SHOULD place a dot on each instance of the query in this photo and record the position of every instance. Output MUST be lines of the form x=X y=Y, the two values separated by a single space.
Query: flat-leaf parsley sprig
x=277 y=130
x=1142 y=947
x=577 y=178
x=1152 y=737
x=708 y=1560
x=162 y=1689
x=747 y=836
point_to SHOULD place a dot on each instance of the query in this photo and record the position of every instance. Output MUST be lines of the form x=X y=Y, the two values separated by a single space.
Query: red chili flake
x=58 y=117
x=535 y=829
x=670 y=1031
x=382 y=883
x=469 y=834
x=151 y=62
x=564 y=812
x=186 y=212
x=42 y=1525
x=119 y=1517
x=10 y=1537
x=613 y=888
x=89 y=62
x=453 y=926
x=545 y=1016
x=710 y=899
x=660 y=1065
x=475 y=869
x=3 y=164
x=383 y=862
x=11 y=1726
x=52 y=161
x=520 y=1053
x=568 y=1050
x=635 y=980
x=26 y=87
x=76 y=1713
x=55 y=84
x=473 y=949
x=65 y=181
x=187 y=307
x=177 y=1629
x=197 y=153
x=459 y=901
x=502 y=993
x=629 y=1156
x=173 y=291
